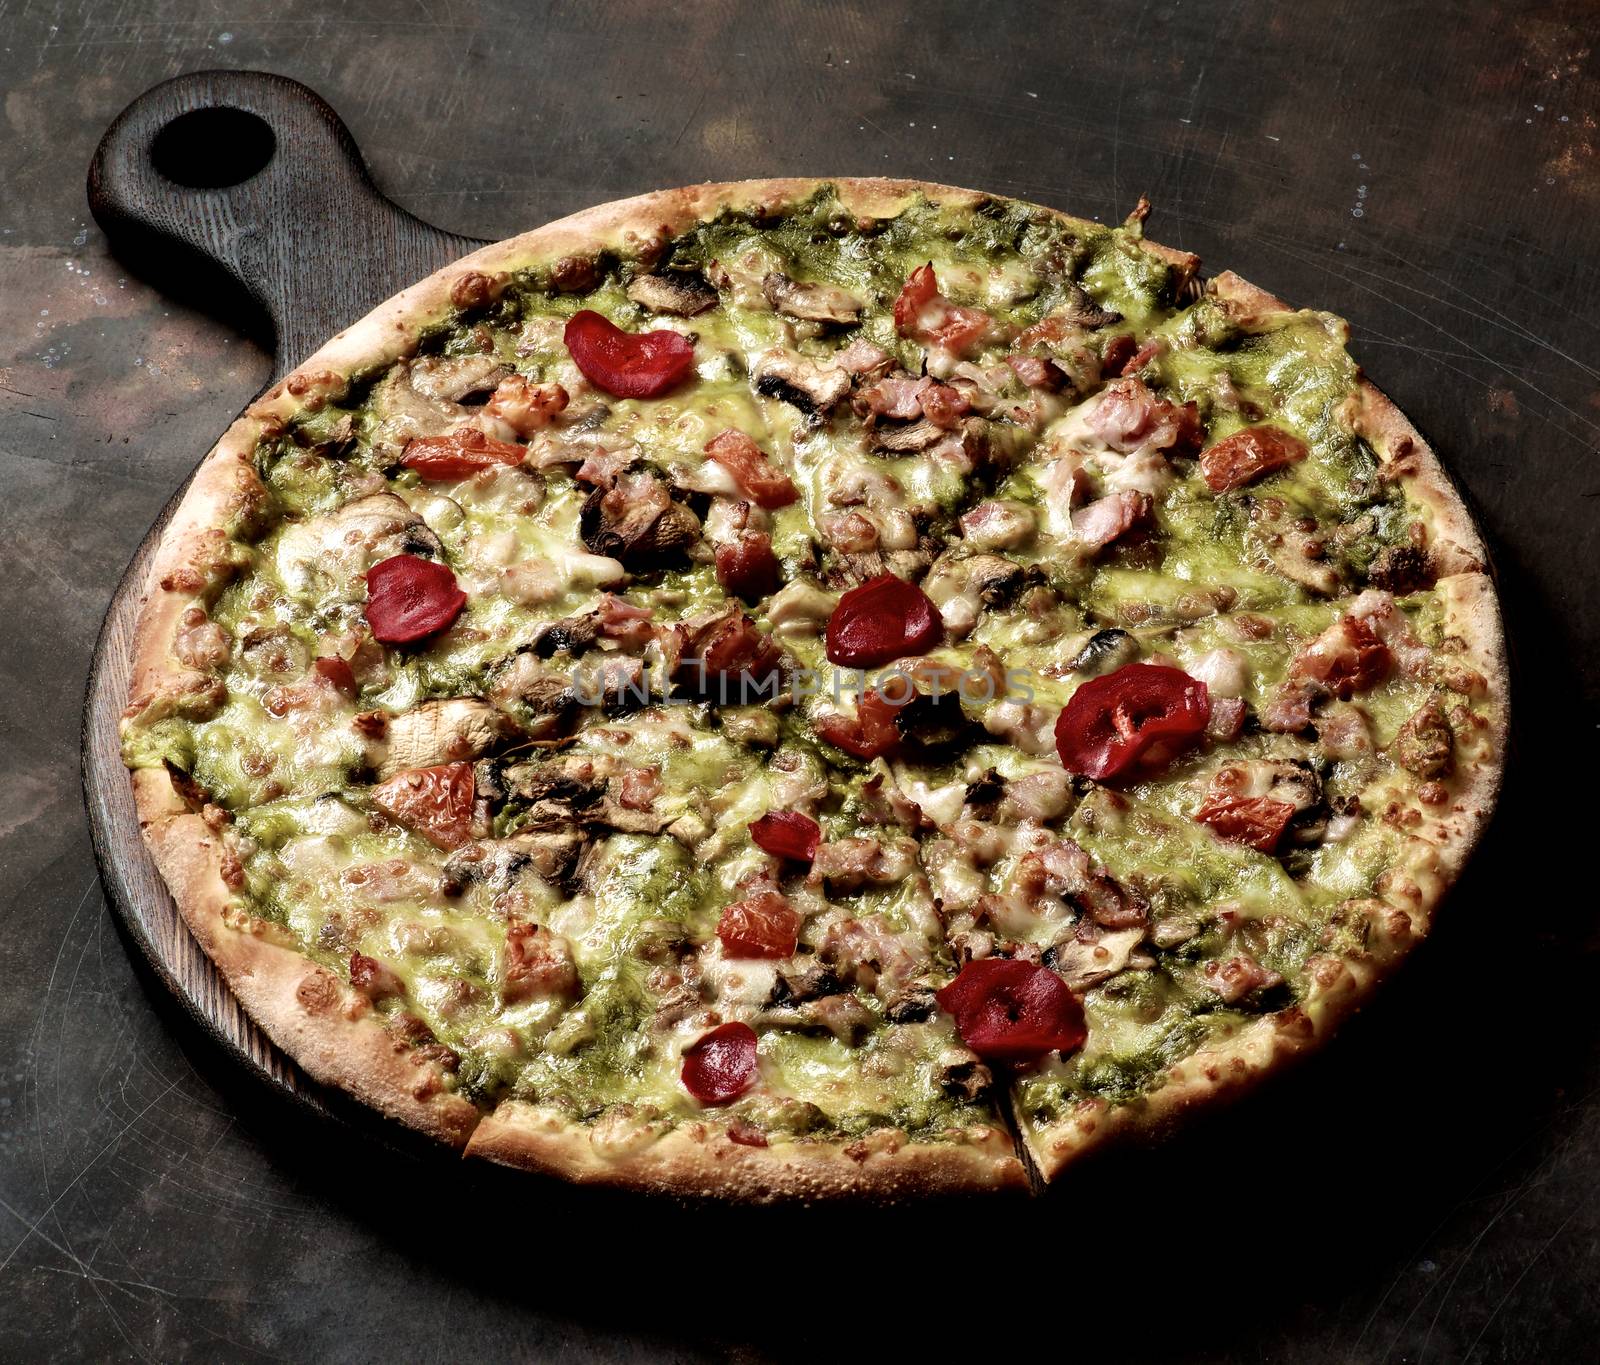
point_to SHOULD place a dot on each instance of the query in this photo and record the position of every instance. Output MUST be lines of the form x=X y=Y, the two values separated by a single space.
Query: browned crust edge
x=1436 y=849
x=341 y=1045
x=699 y=1160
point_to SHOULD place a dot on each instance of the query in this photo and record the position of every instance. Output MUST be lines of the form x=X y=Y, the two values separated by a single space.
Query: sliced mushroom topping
x=636 y=522
x=542 y=699
x=1105 y=651
x=1086 y=961
x=682 y=293
x=441 y=732
x=455 y=379
x=912 y=436
x=339 y=547
x=1081 y=310
x=575 y=790
x=808 y=301
x=962 y=585
x=1292 y=545
x=791 y=378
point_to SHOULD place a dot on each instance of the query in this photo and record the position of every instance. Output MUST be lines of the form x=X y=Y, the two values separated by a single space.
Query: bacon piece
x=639 y=788
x=1130 y=417
x=525 y=407
x=1100 y=522
x=747 y=567
x=1347 y=657
x=1227 y=718
x=1037 y=372
x=374 y=979
x=750 y=467
x=924 y=314
x=1238 y=977
x=631 y=626
x=764 y=925
x=730 y=645
x=862 y=358
x=538 y=963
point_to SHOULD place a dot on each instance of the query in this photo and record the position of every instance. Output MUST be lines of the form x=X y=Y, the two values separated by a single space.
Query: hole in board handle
x=210 y=149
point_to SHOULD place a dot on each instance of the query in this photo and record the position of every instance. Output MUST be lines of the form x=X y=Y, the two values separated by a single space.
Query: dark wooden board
x=249 y=184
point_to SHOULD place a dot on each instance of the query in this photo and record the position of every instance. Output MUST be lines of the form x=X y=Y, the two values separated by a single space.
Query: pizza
x=796 y=689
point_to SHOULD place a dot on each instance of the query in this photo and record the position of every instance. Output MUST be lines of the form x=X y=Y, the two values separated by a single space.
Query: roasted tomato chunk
x=751 y=469
x=1246 y=455
x=1255 y=821
x=459 y=455
x=787 y=834
x=872 y=734
x=433 y=802
x=747 y=567
x=922 y=313
x=763 y=925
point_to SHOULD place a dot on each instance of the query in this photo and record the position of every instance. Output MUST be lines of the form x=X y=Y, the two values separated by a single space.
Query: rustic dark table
x=1425 y=1192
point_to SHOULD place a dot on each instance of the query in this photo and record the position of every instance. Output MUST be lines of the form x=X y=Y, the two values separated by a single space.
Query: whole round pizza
x=786 y=689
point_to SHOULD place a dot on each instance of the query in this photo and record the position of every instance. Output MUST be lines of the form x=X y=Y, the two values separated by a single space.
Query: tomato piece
x=433 y=802
x=627 y=364
x=721 y=1065
x=1011 y=1011
x=884 y=619
x=1257 y=821
x=751 y=469
x=747 y=567
x=459 y=455
x=872 y=734
x=1246 y=455
x=410 y=598
x=787 y=834
x=761 y=926
x=922 y=313
x=1142 y=714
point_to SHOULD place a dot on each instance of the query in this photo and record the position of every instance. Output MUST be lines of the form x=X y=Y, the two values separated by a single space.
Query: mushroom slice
x=679 y=292
x=791 y=378
x=810 y=302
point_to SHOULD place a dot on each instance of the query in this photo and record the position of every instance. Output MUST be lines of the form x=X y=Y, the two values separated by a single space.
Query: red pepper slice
x=751 y=469
x=721 y=1065
x=872 y=734
x=1011 y=1011
x=1255 y=821
x=459 y=455
x=886 y=618
x=747 y=567
x=1235 y=460
x=762 y=926
x=433 y=802
x=787 y=834
x=410 y=598
x=1141 y=714
x=924 y=314
x=627 y=364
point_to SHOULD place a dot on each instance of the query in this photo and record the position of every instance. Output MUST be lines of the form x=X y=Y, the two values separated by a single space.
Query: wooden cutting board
x=246 y=190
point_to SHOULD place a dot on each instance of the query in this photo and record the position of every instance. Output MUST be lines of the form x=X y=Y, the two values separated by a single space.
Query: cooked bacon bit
x=872 y=734
x=849 y=864
x=1256 y=821
x=753 y=471
x=904 y=399
x=765 y=925
x=632 y=627
x=746 y=1134
x=639 y=788
x=1128 y=417
x=862 y=358
x=1037 y=372
x=924 y=314
x=375 y=980
x=1348 y=657
x=433 y=802
x=1119 y=350
x=1425 y=744
x=538 y=963
x=1288 y=711
x=1143 y=356
x=1227 y=719
x=1238 y=977
x=1103 y=520
x=730 y=645
x=1063 y=868
x=1007 y=1010
x=337 y=674
x=999 y=525
x=1246 y=455
x=525 y=407
x=600 y=470
x=459 y=455
x=747 y=567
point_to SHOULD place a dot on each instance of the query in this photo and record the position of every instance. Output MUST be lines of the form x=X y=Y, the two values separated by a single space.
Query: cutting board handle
x=241 y=186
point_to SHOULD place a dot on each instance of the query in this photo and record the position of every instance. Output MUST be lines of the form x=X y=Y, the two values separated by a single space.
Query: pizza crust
x=318 y=1021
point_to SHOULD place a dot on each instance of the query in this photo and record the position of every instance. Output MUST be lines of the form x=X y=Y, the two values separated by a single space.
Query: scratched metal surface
x=1425 y=1192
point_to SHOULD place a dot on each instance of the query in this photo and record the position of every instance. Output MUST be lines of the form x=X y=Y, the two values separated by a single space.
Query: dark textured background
x=1425 y=1192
